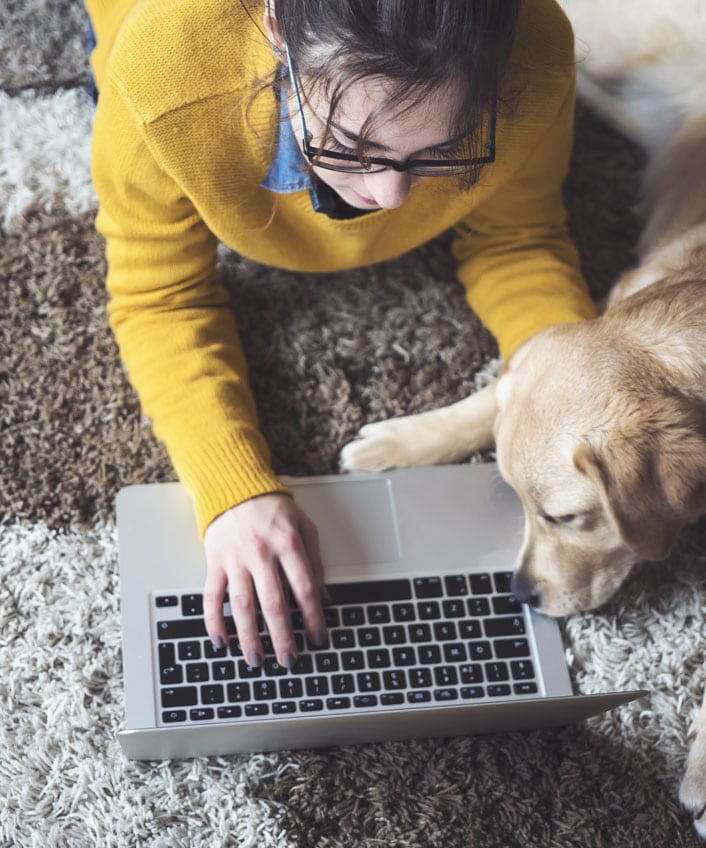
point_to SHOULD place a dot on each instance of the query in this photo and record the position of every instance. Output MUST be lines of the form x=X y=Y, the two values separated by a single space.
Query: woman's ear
x=271 y=26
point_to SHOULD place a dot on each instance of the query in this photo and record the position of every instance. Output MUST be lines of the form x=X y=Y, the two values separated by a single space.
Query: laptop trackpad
x=356 y=520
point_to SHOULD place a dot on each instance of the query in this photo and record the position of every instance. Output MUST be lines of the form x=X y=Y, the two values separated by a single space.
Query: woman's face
x=420 y=132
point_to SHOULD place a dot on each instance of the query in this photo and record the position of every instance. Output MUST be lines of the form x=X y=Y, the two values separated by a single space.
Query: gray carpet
x=328 y=354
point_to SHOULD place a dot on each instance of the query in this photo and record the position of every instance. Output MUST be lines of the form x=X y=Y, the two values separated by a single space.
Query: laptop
x=425 y=637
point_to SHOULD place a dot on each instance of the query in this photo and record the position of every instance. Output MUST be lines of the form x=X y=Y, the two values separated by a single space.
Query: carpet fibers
x=328 y=354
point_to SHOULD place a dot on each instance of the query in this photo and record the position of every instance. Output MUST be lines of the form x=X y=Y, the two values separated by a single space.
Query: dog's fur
x=608 y=452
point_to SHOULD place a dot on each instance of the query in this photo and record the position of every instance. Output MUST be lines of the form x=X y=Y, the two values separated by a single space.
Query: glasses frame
x=376 y=164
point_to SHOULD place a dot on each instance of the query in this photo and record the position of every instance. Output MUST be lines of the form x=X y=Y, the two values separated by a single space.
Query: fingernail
x=319 y=638
x=289 y=660
x=254 y=659
x=218 y=643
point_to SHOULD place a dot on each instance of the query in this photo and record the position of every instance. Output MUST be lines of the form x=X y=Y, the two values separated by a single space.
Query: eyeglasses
x=319 y=156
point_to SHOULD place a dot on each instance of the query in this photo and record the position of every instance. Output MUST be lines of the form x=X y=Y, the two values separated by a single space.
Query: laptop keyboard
x=399 y=643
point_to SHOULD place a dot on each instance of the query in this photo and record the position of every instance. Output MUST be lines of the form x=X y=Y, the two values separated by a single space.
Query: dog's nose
x=524 y=591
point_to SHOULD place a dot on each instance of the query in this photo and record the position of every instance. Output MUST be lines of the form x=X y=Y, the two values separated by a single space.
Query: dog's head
x=608 y=459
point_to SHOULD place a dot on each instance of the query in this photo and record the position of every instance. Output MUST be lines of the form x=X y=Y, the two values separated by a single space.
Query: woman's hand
x=246 y=547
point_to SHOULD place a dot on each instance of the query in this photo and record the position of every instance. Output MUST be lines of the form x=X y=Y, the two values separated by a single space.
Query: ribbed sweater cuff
x=223 y=474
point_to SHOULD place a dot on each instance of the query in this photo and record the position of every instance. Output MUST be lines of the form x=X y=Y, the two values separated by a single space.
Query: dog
x=607 y=453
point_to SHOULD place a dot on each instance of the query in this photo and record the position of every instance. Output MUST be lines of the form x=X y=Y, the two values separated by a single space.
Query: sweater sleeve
x=173 y=322
x=517 y=261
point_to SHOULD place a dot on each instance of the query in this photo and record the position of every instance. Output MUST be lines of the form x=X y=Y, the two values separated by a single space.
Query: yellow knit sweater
x=178 y=157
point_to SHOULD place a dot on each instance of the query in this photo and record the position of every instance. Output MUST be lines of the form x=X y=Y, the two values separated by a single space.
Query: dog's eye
x=558 y=519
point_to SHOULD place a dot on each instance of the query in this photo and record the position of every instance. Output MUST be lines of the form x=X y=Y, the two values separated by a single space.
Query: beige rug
x=328 y=353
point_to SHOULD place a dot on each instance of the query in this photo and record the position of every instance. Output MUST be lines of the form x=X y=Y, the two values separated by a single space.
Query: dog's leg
x=429 y=438
x=693 y=787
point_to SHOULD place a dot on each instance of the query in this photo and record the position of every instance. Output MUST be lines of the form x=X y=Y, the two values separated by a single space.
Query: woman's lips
x=368 y=200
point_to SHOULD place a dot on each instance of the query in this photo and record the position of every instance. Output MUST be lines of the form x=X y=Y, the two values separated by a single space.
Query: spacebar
x=370 y=592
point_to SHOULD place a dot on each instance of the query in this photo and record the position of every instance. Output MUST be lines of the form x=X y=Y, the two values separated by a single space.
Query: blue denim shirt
x=289 y=173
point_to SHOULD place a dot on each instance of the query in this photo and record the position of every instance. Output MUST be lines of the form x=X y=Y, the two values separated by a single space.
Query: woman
x=330 y=136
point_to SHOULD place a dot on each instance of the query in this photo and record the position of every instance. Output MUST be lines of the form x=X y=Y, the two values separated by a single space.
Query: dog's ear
x=653 y=478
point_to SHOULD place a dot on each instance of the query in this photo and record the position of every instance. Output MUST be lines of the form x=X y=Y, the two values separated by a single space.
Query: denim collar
x=288 y=172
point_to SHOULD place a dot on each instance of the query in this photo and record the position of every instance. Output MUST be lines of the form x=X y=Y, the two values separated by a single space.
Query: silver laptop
x=425 y=637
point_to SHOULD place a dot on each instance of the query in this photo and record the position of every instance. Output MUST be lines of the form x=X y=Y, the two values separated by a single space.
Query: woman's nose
x=389 y=188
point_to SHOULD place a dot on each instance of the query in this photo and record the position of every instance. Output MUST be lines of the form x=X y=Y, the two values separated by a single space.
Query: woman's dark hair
x=417 y=46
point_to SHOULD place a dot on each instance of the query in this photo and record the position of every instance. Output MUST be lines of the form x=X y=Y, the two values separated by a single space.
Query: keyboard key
x=374 y=591
x=342 y=684
x=338 y=703
x=191 y=605
x=316 y=686
x=311 y=705
x=273 y=668
x=378 y=658
x=496 y=671
x=327 y=662
x=454 y=609
x=369 y=636
x=343 y=638
x=472 y=692
x=428 y=587
x=352 y=660
x=368 y=681
x=304 y=665
x=429 y=610
x=502 y=582
x=224 y=670
x=283 y=707
x=403 y=612
x=419 y=633
x=394 y=679
x=229 y=712
x=162 y=601
x=391 y=699
x=481 y=584
x=292 y=687
x=445 y=675
x=245 y=671
x=394 y=635
x=455 y=652
x=197 y=672
x=471 y=673
x=331 y=617
x=506 y=605
x=201 y=714
x=469 y=629
x=257 y=709
x=189 y=628
x=212 y=694
x=499 y=690
x=403 y=656
x=506 y=648
x=378 y=614
x=445 y=694
x=522 y=670
x=456 y=585
x=479 y=651
x=504 y=626
x=170 y=675
x=264 y=690
x=238 y=692
x=418 y=697
x=361 y=701
x=419 y=678
x=173 y=716
x=167 y=654
x=429 y=654
x=478 y=607
x=211 y=652
x=525 y=688
x=180 y=696
x=354 y=616
x=445 y=631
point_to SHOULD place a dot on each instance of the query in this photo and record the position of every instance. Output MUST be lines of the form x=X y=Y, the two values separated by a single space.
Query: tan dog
x=608 y=452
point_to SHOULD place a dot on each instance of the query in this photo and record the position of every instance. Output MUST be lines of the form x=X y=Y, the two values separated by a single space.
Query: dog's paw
x=381 y=446
x=693 y=788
